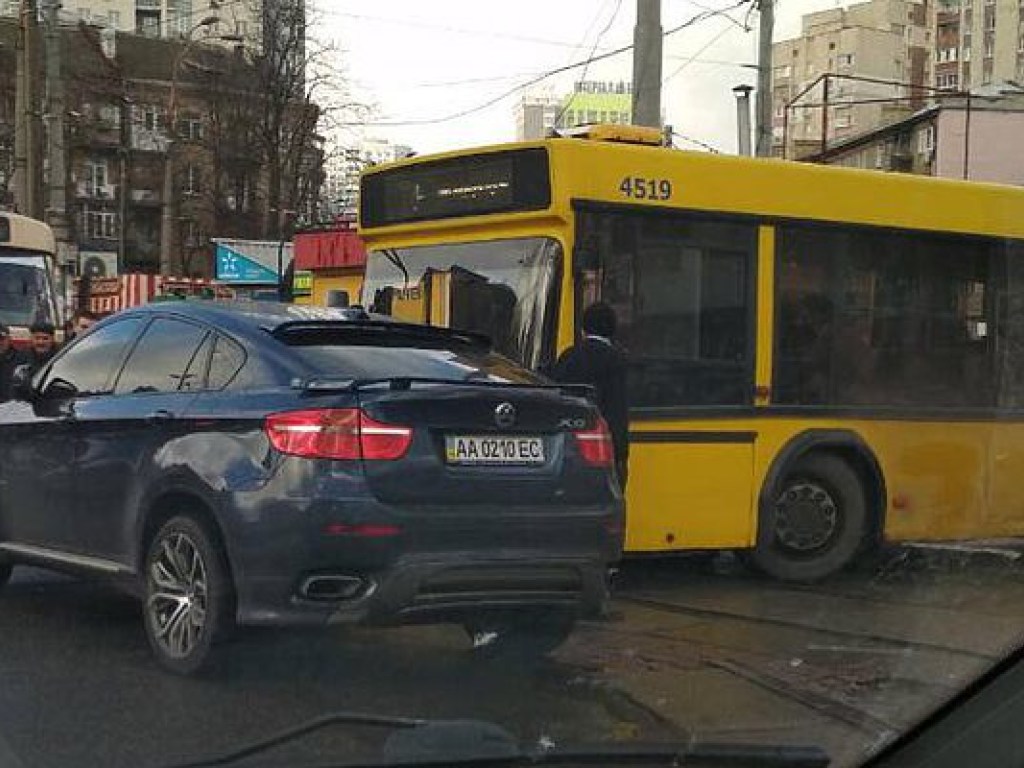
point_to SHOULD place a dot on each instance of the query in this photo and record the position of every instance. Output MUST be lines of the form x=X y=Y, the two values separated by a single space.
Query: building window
x=100 y=225
x=151 y=118
x=846 y=59
x=926 y=140
x=990 y=19
x=191 y=129
x=990 y=46
x=843 y=118
x=96 y=179
x=193 y=180
x=193 y=234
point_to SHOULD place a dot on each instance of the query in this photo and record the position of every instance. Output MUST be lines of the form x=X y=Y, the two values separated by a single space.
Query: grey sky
x=424 y=60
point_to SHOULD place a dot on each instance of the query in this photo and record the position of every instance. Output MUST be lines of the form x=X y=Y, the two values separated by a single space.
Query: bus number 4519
x=639 y=188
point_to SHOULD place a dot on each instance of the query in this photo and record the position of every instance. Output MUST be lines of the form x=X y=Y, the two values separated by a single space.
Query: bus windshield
x=26 y=296
x=504 y=288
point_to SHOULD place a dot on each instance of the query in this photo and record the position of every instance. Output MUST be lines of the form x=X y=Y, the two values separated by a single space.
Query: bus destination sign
x=500 y=182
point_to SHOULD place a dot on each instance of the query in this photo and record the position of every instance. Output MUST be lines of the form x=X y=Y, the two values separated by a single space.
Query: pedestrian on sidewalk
x=10 y=358
x=595 y=360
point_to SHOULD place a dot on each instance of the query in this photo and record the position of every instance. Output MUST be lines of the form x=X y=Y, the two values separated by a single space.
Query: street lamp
x=167 y=204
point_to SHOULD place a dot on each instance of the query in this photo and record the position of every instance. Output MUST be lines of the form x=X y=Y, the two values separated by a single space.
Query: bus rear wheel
x=815 y=524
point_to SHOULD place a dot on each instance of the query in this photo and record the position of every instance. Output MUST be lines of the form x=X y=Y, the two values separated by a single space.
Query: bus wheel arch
x=831 y=483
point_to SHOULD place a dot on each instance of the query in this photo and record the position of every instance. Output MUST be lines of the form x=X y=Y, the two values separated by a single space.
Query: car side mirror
x=21 y=383
x=58 y=389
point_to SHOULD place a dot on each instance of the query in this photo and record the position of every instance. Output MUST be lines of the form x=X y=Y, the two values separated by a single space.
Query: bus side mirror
x=21 y=383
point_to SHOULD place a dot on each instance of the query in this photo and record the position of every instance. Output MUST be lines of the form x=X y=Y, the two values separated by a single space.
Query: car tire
x=815 y=524
x=189 y=597
x=518 y=635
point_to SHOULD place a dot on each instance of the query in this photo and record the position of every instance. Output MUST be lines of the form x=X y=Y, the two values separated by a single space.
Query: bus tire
x=815 y=524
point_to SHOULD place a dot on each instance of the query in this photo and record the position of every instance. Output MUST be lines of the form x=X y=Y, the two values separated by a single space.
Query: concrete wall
x=994 y=141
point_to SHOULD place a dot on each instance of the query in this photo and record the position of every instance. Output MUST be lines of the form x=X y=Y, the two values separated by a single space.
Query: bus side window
x=680 y=287
x=881 y=318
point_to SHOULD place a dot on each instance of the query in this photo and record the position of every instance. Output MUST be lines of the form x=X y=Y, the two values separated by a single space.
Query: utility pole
x=27 y=148
x=57 y=177
x=647 y=37
x=763 y=97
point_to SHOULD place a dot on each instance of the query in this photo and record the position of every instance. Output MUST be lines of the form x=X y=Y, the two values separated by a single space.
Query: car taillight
x=336 y=433
x=595 y=445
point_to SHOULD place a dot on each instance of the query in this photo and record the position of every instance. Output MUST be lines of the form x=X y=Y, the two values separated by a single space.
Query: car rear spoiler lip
x=318 y=385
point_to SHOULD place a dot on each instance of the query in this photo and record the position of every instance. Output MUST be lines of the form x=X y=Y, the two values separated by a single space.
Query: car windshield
x=503 y=288
x=26 y=296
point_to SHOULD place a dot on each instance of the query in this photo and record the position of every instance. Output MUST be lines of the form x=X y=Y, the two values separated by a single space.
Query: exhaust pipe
x=332 y=587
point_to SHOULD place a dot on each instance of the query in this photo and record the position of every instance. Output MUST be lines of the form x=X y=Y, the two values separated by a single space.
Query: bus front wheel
x=816 y=522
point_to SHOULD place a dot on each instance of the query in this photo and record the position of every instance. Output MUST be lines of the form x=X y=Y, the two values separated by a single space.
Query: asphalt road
x=693 y=649
x=79 y=687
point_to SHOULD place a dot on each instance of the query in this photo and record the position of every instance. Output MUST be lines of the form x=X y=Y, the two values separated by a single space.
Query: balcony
x=85 y=190
x=145 y=197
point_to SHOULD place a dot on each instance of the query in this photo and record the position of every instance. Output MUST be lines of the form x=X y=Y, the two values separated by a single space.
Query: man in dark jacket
x=44 y=345
x=595 y=360
x=10 y=359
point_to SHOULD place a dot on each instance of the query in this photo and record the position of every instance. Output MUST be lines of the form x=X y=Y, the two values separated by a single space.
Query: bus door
x=683 y=289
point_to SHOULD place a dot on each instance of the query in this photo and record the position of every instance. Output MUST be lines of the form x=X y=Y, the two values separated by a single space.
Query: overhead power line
x=593 y=49
x=704 y=15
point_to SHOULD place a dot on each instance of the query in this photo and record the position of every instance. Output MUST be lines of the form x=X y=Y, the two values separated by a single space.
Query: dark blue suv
x=263 y=464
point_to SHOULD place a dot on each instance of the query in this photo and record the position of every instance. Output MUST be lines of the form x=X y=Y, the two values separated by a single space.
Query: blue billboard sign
x=234 y=267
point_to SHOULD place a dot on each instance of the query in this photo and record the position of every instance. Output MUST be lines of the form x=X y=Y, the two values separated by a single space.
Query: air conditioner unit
x=97 y=264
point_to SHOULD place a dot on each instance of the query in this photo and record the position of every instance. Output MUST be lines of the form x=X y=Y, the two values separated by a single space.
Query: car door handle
x=160 y=416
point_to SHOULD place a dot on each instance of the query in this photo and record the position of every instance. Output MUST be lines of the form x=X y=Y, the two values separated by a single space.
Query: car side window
x=227 y=360
x=159 y=360
x=88 y=366
x=194 y=379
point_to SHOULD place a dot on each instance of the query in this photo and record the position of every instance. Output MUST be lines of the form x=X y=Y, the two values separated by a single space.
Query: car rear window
x=360 y=357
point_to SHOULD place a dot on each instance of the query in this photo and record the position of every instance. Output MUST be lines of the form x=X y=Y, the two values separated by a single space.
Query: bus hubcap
x=806 y=517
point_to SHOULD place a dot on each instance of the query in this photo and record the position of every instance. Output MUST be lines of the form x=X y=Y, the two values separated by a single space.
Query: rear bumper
x=442 y=565
x=435 y=589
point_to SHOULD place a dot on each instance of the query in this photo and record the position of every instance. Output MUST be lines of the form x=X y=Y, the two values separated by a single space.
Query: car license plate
x=485 y=449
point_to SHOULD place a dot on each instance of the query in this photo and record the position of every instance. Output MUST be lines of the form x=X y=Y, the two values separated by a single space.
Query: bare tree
x=273 y=109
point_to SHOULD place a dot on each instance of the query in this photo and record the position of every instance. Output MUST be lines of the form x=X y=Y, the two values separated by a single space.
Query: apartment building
x=851 y=69
x=978 y=42
x=159 y=18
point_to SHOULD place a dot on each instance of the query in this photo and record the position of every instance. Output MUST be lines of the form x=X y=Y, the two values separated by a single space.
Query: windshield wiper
x=393 y=256
x=475 y=744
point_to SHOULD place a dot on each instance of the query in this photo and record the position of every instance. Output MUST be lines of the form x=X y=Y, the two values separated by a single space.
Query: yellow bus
x=28 y=276
x=820 y=357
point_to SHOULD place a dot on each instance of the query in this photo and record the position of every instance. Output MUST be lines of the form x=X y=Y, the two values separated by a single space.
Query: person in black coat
x=10 y=358
x=44 y=345
x=595 y=360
